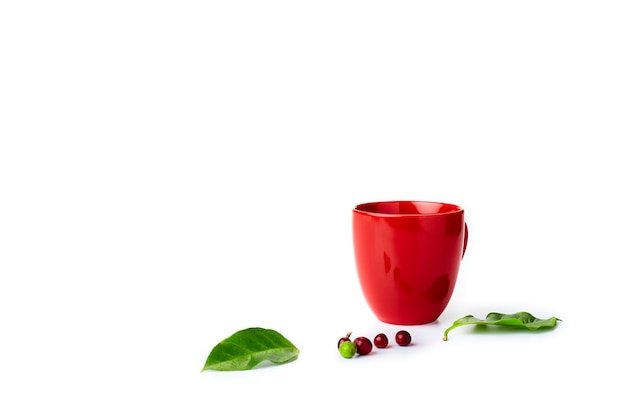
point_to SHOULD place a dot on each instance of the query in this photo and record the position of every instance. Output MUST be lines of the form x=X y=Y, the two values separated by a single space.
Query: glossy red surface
x=407 y=256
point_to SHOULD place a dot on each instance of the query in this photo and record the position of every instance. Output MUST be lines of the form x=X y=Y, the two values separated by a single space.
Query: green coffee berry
x=347 y=349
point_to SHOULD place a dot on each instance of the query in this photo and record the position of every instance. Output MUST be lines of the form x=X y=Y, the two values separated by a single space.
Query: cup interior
x=408 y=208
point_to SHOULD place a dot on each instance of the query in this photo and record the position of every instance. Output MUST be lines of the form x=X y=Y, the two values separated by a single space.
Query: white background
x=174 y=171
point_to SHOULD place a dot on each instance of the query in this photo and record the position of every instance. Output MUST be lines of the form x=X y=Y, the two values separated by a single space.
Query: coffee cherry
x=363 y=345
x=403 y=338
x=381 y=341
x=347 y=349
x=346 y=338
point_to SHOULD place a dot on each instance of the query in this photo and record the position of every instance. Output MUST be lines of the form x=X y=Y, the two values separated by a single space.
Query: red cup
x=407 y=256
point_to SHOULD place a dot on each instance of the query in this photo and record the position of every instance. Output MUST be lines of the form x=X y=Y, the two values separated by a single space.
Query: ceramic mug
x=407 y=256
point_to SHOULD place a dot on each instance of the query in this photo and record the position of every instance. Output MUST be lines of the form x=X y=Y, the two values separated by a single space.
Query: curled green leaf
x=520 y=320
x=247 y=348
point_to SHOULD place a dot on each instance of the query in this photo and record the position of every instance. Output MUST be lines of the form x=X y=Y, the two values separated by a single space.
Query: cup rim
x=374 y=208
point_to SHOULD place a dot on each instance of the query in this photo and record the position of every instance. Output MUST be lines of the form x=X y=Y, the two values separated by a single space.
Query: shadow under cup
x=407 y=256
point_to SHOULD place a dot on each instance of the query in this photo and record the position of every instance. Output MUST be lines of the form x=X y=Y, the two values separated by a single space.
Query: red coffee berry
x=346 y=338
x=363 y=345
x=381 y=341
x=403 y=338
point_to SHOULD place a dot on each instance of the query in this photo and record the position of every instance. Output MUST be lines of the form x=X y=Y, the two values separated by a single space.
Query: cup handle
x=465 y=241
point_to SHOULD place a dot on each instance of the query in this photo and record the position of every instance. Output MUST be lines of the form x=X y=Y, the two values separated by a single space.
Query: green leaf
x=247 y=348
x=520 y=320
